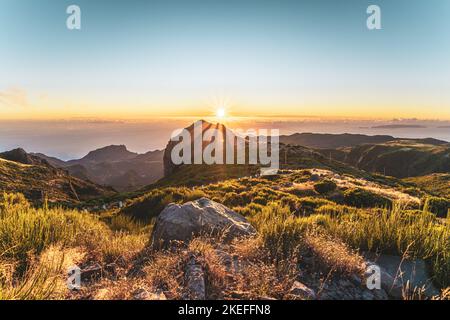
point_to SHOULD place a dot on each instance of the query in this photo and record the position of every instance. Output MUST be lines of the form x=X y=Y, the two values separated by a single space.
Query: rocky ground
x=229 y=263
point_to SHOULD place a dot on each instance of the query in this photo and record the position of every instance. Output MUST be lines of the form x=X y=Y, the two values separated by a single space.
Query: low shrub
x=439 y=206
x=325 y=186
x=362 y=198
x=308 y=205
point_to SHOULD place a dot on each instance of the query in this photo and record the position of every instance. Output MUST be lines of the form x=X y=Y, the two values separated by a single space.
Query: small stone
x=300 y=291
x=141 y=294
x=91 y=273
x=159 y=295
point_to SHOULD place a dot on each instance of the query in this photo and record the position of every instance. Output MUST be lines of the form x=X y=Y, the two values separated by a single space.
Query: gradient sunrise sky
x=137 y=59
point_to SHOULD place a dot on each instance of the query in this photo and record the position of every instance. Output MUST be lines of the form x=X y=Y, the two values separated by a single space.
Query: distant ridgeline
x=113 y=168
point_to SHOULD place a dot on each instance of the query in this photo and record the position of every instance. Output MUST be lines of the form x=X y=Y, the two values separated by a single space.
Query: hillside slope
x=37 y=181
x=401 y=158
x=437 y=184
x=332 y=141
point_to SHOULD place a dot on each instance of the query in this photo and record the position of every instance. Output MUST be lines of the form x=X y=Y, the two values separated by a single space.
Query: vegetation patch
x=362 y=198
x=325 y=186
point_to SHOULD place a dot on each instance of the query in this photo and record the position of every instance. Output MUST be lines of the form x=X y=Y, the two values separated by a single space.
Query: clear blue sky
x=260 y=57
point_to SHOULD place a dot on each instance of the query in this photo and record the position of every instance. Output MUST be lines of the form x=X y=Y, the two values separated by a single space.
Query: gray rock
x=380 y=294
x=182 y=222
x=355 y=279
x=300 y=291
x=91 y=273
x=195 y=280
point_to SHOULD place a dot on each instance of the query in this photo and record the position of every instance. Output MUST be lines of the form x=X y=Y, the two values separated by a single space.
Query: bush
x=325 y=186
x=308 y=205
x=439 y=206
x=260 y=200
x=232 y=199
x=361 y=198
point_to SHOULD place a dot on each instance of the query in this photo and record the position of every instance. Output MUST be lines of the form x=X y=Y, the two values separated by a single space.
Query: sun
x=220 y=112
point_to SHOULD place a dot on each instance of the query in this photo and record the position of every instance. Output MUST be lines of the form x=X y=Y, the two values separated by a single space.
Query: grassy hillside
x=41 y=181
x=332 y=141
x=315 y=219
x=38 y=245
x=301 y=190
x=437 y=184
x=401 y=158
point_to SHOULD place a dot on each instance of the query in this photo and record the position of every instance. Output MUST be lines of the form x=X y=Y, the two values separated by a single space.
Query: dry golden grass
x=45 y=278
x=166 y=272
x=122 y=247
x=332 y=255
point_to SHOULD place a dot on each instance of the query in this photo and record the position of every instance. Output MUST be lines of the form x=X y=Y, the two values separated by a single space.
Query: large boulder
x=182 y=222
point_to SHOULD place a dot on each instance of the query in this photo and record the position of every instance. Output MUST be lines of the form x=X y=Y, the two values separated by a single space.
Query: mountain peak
x=116 y=152
x=21 y=156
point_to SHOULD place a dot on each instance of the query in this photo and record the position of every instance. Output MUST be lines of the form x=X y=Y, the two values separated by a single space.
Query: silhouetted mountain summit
x=21 y=156
x=109 y=153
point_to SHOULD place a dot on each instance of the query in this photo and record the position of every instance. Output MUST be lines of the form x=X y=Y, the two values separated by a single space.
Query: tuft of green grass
x=280 y=230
